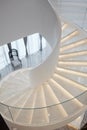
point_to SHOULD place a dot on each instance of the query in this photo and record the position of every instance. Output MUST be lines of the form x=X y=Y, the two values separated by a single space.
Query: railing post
x=10 y=114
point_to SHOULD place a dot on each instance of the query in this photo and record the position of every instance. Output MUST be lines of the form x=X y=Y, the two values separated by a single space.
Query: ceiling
x=72 y=10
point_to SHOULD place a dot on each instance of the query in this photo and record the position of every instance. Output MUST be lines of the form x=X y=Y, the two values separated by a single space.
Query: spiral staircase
x=59 y=98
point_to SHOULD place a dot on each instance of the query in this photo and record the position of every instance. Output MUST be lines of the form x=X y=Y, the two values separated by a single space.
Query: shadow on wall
x=84 y=127
x=3 y=125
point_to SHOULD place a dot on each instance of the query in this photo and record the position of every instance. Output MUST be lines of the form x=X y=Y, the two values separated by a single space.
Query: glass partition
x=29 y=51
x=56 y=113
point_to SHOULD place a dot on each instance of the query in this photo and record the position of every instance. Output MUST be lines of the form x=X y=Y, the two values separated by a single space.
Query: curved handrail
x=10 y=114
x=76 y=97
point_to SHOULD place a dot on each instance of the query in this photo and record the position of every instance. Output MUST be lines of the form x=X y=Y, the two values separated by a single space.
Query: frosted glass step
x=74 y=47
x=11 y=100
x=40 y=114
x=25 y=115
x=69 y=37
x=75 y=68
x=80 y=78
x=80 y=55
x=74 y=37
x=72 y=87
x=67 y=29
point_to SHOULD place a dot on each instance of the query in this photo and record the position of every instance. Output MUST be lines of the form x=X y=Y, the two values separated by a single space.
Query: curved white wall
x=19 y=18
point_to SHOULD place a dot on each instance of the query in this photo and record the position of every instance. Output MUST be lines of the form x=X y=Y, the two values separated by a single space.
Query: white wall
x=19 y=18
